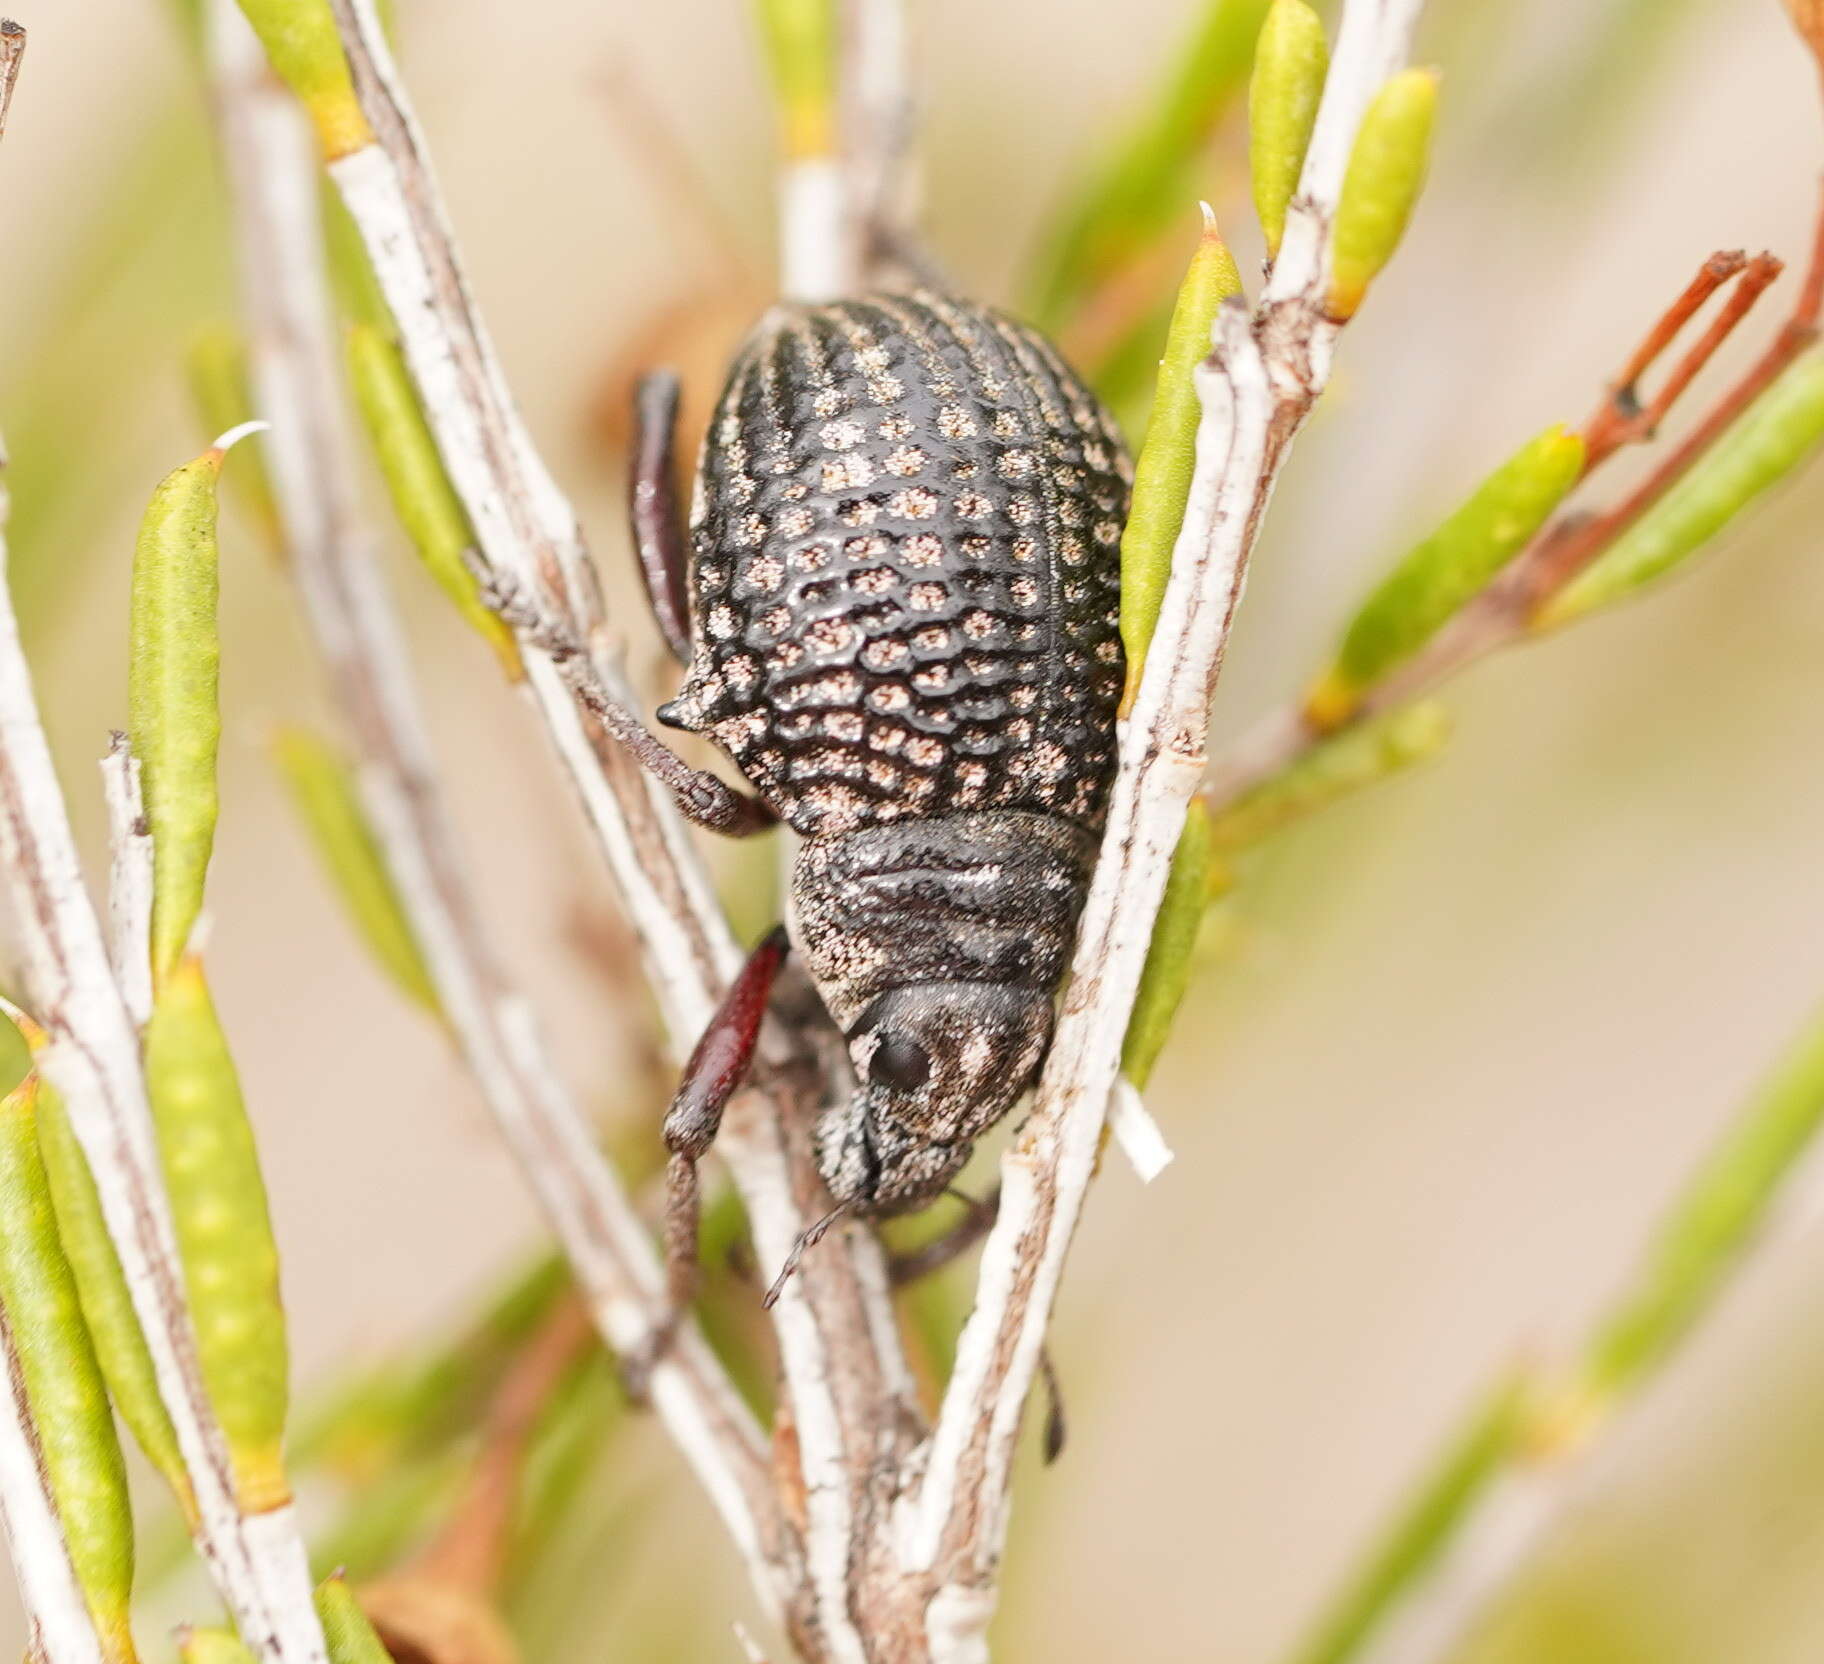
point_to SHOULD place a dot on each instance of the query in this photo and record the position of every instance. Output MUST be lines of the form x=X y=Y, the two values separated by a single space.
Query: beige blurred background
x=1470 y=1032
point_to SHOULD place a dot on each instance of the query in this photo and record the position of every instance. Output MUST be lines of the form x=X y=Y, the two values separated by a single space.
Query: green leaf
x=1770 y=439
x=323 y=792
x=221 y=388
x=1168 y=454
x=212 y=1646
x=224 y=1231
x=306 y=51
x=346 y=1631
x=1170 y=955
x=1290 y=64
x=15 y=1055
x=63 y=1384
x=801 y=42
x=1450 y=567
x=1385 y=175
x=1134 y=197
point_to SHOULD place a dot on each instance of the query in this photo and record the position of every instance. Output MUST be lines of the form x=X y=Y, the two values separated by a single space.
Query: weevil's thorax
x=905 y=569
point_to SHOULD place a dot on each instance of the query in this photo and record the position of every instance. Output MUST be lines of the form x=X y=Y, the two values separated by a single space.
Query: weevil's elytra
x=904 y=575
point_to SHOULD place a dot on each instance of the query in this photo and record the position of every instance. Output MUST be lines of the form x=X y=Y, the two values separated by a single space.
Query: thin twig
x=12 y=54
x=878 y=122
x=129 y=878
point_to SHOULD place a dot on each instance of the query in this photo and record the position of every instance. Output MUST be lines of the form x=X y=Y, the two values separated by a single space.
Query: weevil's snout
x=938 y=1063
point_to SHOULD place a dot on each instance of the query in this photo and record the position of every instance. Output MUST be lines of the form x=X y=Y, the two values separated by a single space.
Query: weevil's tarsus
x=653 y=509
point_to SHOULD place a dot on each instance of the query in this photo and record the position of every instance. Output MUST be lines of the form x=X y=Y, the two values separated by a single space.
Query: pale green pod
x=1170 y=955
x=1168 y=454
x=221 y=388
x=1771 y=438
x=1290 y=63
x=1454 y=564
x=323 y=792
x=423 y=498
x=63 y=1386
x=801 y=38
x=306 y=52
x=1337 y=767
x=1385 y=175
x=224 y=1232
x=212 y=1646
x=120 y=1343
x=172 y=700
x=346 y=1631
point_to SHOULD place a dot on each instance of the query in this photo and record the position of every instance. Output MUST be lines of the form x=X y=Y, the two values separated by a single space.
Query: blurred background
x=1459 y=1040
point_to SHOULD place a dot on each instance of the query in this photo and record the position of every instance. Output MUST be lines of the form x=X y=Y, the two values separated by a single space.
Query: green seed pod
x=800 y=37
x=306 y=52
x=221 y=388
x=1450 y=567
x=224 y=1233
x=1345 y=763
x=346 y=1631
x=62 y=1382
x=1162 y=476
x=422 y=495
x=172 y=674
x=1386 y=172
x=212 y=1646
x=1170 y=955
x=1290 y=63
x=120 y=1344
x=323 y=792
x=1771 y=438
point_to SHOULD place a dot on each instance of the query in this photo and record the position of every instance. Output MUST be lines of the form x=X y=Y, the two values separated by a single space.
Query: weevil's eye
x=899 y=1063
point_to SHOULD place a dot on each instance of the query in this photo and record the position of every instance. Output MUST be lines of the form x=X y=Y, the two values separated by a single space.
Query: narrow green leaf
x=1385 y=175
x=1450 y=567
x=350 y=1637
x=1344 y=763
x=801 y=42
x=224 y=1231
x=1170 y=954
x=1713 y=1221
x=323 y=793
x=1135 y=196
x=212 y=1646
x=15 y=1055
x=63 y=1384
x=422 y=495
x=1772 y=437
x=1168 y=454
x=120 y=1344
x=306 y=52
x=221 y=388
x=1290 y=64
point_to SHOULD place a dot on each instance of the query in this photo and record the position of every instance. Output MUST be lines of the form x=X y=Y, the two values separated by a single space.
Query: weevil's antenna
x=806 y=1241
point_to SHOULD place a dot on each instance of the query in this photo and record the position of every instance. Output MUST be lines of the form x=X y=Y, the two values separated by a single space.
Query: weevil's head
x=938 y=1064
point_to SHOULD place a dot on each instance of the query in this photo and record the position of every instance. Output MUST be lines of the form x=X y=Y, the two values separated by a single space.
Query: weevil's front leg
x=717 y=1066
x=918 y=1263
x=705 y=798
x=652 y=508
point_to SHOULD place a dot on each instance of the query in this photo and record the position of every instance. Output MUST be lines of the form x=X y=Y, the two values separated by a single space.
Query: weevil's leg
x=652 y=508
x=1055 y=1426
x=934 y=1255
x=716 y=1067
x=707 y=800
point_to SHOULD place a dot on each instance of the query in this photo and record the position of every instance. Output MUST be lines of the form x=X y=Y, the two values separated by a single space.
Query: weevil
x=896 y=602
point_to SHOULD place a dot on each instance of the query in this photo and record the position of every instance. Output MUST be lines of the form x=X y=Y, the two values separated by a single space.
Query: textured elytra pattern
x=905 y=569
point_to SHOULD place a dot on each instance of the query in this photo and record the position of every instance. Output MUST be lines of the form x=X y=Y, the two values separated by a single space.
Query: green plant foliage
x=221 y=388
x=1162 y=475
x=346 y=1631
x=306 y=52
x=1771 y=438
x=1134 y=197
x=51 y=1349
x=1450 y=567
x=1386 y=173
x=1290 y=64
x=212 y=1646
x=15 y=1055
x=1171 y=953
x=323 y=792
x=224 y=1231
x=801 y=41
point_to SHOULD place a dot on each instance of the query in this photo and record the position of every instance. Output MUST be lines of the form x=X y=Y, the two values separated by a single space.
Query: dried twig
x=129 y=878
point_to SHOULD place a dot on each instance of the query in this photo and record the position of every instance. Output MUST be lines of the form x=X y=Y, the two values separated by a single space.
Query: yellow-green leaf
x=423 y=498
x=1170 y=955
x=43 y=1321
x=801 y=41
x=224 y=1232
x=1450 y=567
x=350 y=1637
x=15 y=1055
x=1290 y=64
x=1771 y=438
x=221 y=388
x=323 y=792
x=212 y=1646
x=1386 y=173
x=1162 y=476
x=306 y=52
